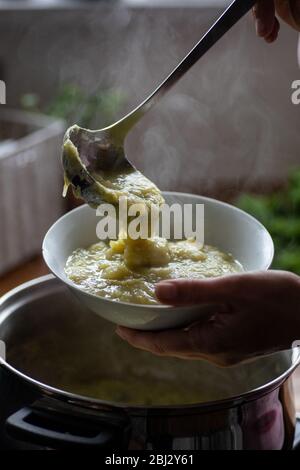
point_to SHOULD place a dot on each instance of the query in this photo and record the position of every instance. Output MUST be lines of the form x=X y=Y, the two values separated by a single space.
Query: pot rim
x=94 y=403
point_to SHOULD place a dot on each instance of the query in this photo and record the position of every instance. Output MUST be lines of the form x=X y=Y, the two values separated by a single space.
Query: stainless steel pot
x=69 y=381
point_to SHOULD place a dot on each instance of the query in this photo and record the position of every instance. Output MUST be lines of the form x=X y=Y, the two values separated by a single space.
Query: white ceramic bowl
x=226 y=227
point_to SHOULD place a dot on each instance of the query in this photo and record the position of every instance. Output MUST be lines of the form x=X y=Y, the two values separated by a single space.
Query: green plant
x=75 y=105
x=280 y=213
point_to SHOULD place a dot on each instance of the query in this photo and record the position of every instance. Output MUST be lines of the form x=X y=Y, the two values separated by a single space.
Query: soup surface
x=127 y=270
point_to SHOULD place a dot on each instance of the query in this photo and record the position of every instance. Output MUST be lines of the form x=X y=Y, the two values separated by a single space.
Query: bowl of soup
x=112 y=279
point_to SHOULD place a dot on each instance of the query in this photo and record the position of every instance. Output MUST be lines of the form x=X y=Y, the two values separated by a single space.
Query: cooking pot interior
x=50 y=337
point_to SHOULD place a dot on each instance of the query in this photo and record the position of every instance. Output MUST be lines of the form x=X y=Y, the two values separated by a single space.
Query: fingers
x=265 y=20
x=201 y=339
x=274 y=34
x=207 y=341
x=289 y=11
x=254 y=305
x=193 y=291
x=267 y=25
x=161 y=343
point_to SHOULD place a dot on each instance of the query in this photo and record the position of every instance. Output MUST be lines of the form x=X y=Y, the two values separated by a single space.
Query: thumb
x=198 y=291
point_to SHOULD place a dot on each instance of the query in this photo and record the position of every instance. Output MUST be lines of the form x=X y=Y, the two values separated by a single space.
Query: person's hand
x=265 y=11
x=256 y=313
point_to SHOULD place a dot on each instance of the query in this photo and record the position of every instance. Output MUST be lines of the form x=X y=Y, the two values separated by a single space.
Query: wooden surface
x=37 y=267
x=34 y=268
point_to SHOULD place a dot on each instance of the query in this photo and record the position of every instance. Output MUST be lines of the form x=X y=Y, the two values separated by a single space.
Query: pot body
x=59 y=356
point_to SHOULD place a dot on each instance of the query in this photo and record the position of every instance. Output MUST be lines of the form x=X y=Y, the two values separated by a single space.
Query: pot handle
x=59 y=430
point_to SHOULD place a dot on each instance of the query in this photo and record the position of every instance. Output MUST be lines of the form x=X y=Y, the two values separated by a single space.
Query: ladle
x=95 y=162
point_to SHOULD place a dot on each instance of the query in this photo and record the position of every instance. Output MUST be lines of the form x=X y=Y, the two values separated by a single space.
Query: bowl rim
x=74 y=286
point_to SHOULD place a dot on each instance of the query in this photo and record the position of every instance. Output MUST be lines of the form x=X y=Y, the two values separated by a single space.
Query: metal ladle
x=90 y=158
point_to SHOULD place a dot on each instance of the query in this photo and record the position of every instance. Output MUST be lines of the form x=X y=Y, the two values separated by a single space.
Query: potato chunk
x=187 y=249
x=146 y=253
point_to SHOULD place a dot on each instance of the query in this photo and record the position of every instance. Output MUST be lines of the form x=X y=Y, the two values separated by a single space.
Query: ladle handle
x=235 y=11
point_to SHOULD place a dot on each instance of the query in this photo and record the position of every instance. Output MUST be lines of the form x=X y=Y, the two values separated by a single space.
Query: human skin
x=267 y=12
x=257 y=313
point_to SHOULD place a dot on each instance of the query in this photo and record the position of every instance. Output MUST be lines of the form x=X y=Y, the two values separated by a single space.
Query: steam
x=223 y=123
x=230 y=120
